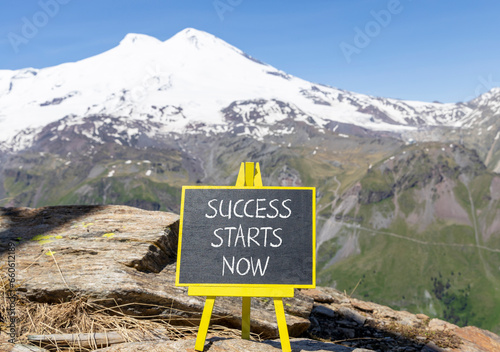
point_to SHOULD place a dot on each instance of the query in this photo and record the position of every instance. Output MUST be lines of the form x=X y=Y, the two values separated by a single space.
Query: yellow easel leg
x=282 y=327
x=204 y=323
x=249 y=174
x=240 y=181
x=258 y=176
x=245 y=318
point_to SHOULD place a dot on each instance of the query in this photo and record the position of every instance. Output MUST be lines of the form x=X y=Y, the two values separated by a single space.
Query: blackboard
x=247 y=236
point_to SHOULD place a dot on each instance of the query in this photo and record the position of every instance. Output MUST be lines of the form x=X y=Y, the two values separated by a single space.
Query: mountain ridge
x=202 y=76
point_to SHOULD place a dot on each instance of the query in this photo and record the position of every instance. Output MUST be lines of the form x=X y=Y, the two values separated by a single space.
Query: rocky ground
x=124 y=258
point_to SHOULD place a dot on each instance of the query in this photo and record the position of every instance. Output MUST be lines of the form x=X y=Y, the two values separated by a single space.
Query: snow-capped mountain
x=192 y=83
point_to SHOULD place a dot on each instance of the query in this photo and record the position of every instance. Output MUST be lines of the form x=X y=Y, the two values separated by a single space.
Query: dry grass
x=83 y=315
x=443 y=339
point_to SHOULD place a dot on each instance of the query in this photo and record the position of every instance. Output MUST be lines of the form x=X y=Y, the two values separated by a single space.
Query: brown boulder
x=477 y=340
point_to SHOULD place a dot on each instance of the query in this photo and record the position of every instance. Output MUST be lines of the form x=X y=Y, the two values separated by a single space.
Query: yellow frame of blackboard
x=225 y=286
x=249 y=176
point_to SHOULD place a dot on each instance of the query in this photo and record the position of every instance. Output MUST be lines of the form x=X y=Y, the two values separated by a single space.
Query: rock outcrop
x=125 y=256
x=120 y=255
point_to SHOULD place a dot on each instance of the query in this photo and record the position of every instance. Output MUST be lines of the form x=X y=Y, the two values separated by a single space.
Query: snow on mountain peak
x=494 y=92
x=139 y=39
x=195 y=39
x=492 y=95
x=193 y=35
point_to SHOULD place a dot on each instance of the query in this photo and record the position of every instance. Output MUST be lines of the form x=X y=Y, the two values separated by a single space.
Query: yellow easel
x=247 y=177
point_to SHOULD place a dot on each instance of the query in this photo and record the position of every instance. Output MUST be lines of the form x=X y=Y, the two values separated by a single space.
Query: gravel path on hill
x=477 y=245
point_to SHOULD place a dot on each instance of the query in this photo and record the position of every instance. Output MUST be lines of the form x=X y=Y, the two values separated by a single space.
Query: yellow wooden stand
x=247 y=177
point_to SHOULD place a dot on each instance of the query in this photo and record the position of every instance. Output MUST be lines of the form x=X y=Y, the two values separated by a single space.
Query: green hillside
x=425 y=239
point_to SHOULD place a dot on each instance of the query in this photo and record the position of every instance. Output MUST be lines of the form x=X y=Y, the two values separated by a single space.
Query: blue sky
x=426 y=50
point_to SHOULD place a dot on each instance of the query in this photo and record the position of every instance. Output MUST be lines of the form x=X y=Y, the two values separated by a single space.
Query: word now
x=243 y=266
x=251 y=208
x=363 y=37
x=249 y=237
x=30 y=27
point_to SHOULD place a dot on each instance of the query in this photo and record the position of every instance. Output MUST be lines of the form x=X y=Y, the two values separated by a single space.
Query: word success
x=251 y=208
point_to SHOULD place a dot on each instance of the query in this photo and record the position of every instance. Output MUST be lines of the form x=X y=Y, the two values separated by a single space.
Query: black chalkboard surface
x=247 y=236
